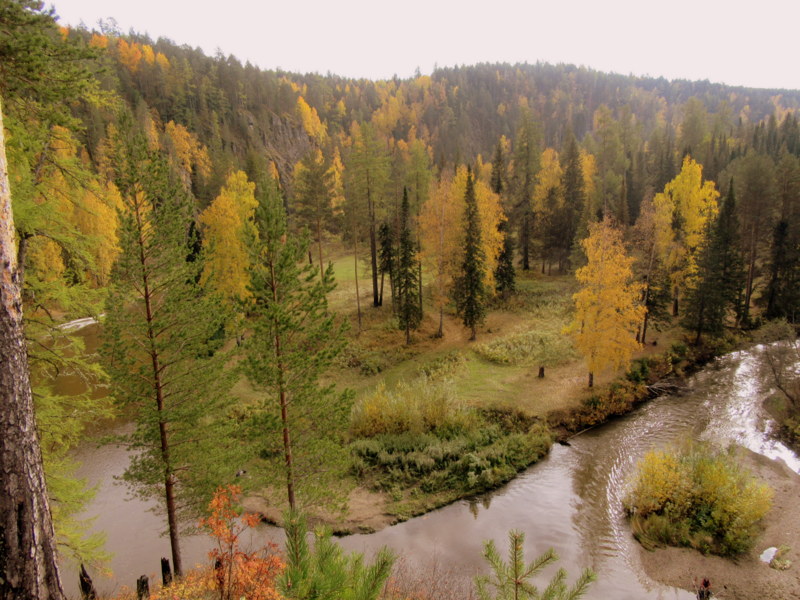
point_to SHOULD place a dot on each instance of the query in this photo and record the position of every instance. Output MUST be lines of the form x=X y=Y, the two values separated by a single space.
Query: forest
x=315 y=278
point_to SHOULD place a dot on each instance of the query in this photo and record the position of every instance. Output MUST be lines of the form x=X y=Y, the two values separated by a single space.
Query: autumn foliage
x=237 y=573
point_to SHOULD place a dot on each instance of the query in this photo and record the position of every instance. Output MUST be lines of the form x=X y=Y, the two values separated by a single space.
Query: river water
x=570 y=501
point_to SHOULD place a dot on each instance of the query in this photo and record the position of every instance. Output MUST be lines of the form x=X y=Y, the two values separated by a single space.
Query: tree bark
x=28 y=565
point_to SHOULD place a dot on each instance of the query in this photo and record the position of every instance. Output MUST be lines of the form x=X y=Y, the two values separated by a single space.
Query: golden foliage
x=98 y=41
x=312 y=124
x=186 y=152
x=682 y=212
x=607 y=310
x=130 y=54
x=227 y=227
x=697 y=497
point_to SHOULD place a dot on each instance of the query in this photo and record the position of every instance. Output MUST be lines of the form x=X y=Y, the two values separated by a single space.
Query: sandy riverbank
x=746 y=578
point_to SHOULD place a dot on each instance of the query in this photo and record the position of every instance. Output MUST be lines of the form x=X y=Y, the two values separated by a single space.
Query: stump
x=142 y=588
x=166 y=572
x=541 y=373
x=87 y=587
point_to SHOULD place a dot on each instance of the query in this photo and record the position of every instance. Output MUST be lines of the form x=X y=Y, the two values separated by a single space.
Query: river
x=570 y=501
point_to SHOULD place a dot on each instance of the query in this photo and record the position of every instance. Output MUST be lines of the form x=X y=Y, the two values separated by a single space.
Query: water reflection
x=571 y=501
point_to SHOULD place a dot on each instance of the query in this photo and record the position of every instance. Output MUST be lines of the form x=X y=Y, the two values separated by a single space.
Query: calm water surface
x=570 y=501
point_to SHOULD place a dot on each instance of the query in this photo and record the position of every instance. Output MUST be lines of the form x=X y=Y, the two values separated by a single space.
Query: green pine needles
x=470 y=293
x=294 y=341
x=512 y=580
x=409 y=312
x=161 y=346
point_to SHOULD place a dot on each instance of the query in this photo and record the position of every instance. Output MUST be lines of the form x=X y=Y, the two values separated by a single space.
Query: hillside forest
x=259 y=246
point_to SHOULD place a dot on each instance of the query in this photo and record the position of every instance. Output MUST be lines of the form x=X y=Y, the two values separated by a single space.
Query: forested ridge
x=196 y=204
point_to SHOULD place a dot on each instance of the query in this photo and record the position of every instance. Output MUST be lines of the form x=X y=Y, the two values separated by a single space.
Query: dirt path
x=746 y=578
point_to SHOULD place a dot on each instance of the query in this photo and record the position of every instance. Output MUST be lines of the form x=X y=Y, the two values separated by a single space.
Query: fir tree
x=295 y=339
x=505 y=276
x=499 y=171
x=387 y=260
x=717 y=287
x=470 y=288
x=408 y=311
x=160 y=329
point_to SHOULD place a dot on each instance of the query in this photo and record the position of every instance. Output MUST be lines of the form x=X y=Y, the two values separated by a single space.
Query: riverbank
x=745 y=577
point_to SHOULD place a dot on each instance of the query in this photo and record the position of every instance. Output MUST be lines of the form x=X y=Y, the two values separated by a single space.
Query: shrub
x=417 y=407
x=696 y=497
x=540 y=346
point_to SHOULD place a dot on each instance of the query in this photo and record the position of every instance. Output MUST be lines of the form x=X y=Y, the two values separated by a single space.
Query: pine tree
x=574 y=192
x=512 y=580
x=470 y=288
x=313 y=190
x=716 y=288
x=499 y=170
x=295 y=339
x=525 y=167
x=326 y=572
x=160 y=346
x=408 y=311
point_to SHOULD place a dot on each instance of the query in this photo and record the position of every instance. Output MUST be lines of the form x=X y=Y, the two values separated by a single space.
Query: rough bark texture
x=28 y=567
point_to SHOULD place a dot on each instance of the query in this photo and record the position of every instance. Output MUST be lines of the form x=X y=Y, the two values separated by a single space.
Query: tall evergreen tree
x=505 y=276
x=408 y=310
x=499 y=170
x=160 y=347
x=295 y=339
x=716 y=288
x=574 y=190
x=387 y=260
x=783 y=290
x=470 y=288
x=313 y=190
x=525 y=168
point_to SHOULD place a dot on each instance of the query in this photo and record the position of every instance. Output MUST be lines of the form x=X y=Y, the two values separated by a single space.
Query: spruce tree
x=717 y=287
x=470 y=287
x=294 y=341
x=505 y=276
x=409 y=314
x=160 y=339
x=387 y=260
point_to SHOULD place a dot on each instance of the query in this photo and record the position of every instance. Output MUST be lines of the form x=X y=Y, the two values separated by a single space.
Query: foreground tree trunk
x=28 y=567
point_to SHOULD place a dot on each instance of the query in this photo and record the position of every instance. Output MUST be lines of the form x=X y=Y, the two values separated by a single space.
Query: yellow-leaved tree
x=682 y=212
x=227 y=224
x=442 y=233
x=607 y=308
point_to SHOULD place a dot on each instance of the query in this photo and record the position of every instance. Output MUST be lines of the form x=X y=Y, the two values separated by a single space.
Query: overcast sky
x=739 y=43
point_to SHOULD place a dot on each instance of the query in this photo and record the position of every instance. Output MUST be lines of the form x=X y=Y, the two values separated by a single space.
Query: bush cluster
x=419 y=438
x=539 y=346
x=696 y=497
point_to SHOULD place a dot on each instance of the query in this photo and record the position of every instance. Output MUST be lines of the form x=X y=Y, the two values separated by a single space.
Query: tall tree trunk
x=158 y=385
x=28 y=565
x=591 y=379
x=373 y=245
x=355 y=270
x=319 y=249
x=751 y=269
x=284 y=401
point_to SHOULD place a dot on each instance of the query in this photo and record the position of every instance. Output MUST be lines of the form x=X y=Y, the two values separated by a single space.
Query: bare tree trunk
x=355 y=259
x=373 y=246
x=28 y=565
x=319 y=249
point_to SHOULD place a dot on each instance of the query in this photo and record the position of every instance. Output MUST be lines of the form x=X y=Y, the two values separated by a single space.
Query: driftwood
x=166 y=572
x=87 y=587
x=142 y=588
x=663 y=387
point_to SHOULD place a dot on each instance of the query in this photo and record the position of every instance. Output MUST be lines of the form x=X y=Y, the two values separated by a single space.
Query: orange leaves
x=236 y=573
x=130 y=54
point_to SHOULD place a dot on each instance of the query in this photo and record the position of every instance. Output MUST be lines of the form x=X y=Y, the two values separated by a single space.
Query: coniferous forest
x=310 y=285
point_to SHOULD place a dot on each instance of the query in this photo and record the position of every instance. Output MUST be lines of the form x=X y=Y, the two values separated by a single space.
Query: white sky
x=736 y=42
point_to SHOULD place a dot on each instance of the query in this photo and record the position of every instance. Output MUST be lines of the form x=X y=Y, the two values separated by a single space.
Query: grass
x=413 y=463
